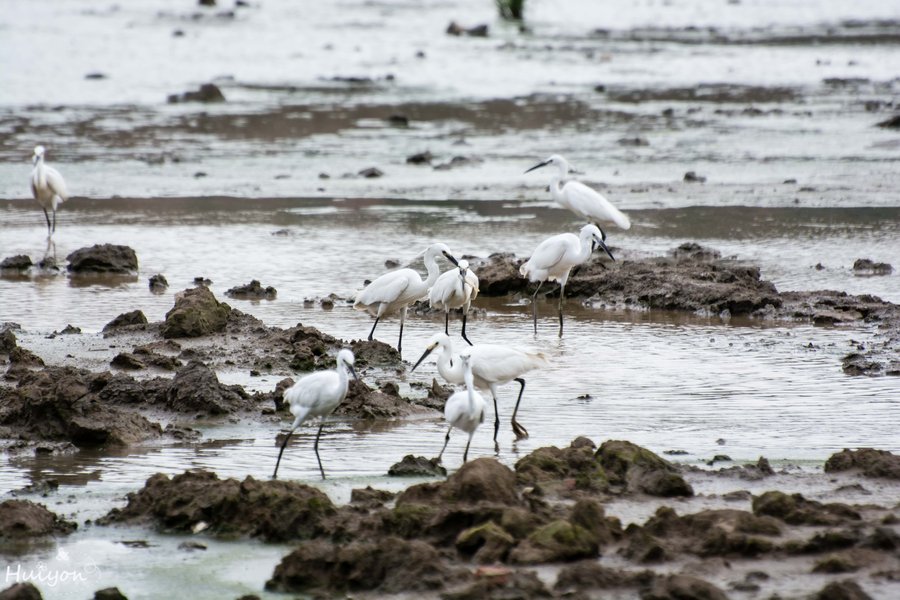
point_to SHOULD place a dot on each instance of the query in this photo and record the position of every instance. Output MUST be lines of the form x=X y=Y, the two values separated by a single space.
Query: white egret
x=48 y=187
x=493 y=365
x=465 y=409
x=317 y=395
x=396 y=290
x=579 y=198
x=455 y=288
x=554 y=258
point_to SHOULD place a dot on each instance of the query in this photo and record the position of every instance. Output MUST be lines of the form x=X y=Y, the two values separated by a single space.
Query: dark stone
x=103 y=258
x=482 y=479
x=842 y=590
x=869 y=461
x=134 y=318
x=398 y=120
x=21 y=591
x=252 y=291
x=417 y=466
x=641 y=470
x=158 y=283
x=635 y=142
x=19 y=262
x=208 y=92
x=892 y=123
x=499 y=583
x=7 y=341
x=692 y=177
x=370 y=496
x=371 y=173
x=485 y=543
x=110 y=593
x=420 y=158
x=196 y=389
x=272 y=510
x=196 y=313
x=694 y=251
x=558 y=541
x=95 y=75
x=797 y=510
x=682 y=587
x=25 y=519
x=865 y=266
x=127 y=361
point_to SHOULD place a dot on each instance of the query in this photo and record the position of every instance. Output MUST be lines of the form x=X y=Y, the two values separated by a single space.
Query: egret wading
x=455 y=288
x=396 y=290
x=465 y=409
x=579 y=198
x=493 y=365
x=48 y=187
x=317 y=395
x=554 y=258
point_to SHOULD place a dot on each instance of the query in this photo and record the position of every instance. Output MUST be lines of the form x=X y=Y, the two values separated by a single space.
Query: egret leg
x=447 y=322
x=466 y=453
x=520 y=431
x=316 y=448
x=46 y=216
x=446 y=441
x=562 y=297
x=465 y=315
x=496 y=413
x=54 y=221
x=400 y=341
x=280 y=452
x=534 y=305
x=371 y=333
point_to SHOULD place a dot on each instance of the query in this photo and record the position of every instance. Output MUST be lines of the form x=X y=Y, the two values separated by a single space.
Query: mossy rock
x=559 y=540
x=617 y=457
x=409 y=520
x=196 y=313
x=486 y=543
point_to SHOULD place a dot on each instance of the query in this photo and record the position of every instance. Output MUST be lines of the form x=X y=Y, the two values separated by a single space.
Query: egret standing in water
x=579 y=198
x=464 y=410
x=455 y=288
x=396 y=290
x=317 y=395
x=492 y=365
x=48 y=187
x=554 y=258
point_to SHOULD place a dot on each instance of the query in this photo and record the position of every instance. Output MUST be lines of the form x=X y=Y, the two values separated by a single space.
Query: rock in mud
x=196 y=389
x=892 y=123
x=133 y=320
x=797 y=510
x=8 y=340
x=497 y=583
x=679 y=587
x=865 y=266
x=103 y=258
x=558 y=541
x=369 y=496
x=127 y=361
x=485 y=543
x=640 y=470
x=575 y=463
x=21 y=591
x=455 y=28
x=363 y=402
x=389 y=565
x=694 y=251
x=498 y=275
x=208 y=92
x=68 y=404
x=417 y=466
x=587 y=575
x=842 y=590
x=158 y=283
x=692 y=177
x=19 y=262
x=481 y=480
x=252 y=291
x=869 y=461
x=196 y=313
x=723 y=533
x=371 y=173
x=25 y=519
x=110 y=593
x=375 y=354
x=274 y=511
x=420 y=158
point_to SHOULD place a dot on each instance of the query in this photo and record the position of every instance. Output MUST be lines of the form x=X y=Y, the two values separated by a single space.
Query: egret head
x=597 y=237
x=440 y=248
x=38 y=153
x=438 y=339
x=556 y=160
x=345 y=357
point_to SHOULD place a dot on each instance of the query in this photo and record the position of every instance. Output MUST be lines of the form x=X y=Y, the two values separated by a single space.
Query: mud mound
x=365 y=403
x=23 y=519
x=103 y=258
x=797 y=510
x=195 y=388
x=275 y=511
x=870 y=462
x=252 y=291
x=196 y=313
x=67 y=404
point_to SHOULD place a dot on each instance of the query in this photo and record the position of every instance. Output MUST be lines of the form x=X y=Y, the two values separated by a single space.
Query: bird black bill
x=421 y=358
x=353 y=372
x=538 y=166
x=603 y=245
x=451 y=259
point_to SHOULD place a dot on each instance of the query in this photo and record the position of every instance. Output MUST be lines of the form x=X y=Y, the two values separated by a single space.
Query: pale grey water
x=661 y=380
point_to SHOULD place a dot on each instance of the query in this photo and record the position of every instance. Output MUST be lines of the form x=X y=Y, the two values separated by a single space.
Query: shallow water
x=773 y=102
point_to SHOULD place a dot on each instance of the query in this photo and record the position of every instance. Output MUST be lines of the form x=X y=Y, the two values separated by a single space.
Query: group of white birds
x=480 y=366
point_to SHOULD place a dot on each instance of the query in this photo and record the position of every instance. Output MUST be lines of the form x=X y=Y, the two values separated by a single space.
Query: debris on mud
x=103 y=258
x=208 y=92
x=252 y=291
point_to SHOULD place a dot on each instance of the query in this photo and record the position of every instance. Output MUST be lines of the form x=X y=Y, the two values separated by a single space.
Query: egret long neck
x=343 y=376
x=470 y=387
x=450 y=369
x=557 y=180
x=433 y=270
x=587 y=244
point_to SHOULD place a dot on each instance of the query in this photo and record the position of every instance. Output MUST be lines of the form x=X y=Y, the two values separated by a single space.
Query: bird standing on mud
x=492 y=365
x=554 y=258
x=455 y=288
x=579 y=198
x=48 y=187
x=317 y=395
x=396 y=290
x=465 y=409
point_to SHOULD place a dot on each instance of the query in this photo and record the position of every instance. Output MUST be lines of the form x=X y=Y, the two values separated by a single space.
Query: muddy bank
x=697 y=279
x=482 y=531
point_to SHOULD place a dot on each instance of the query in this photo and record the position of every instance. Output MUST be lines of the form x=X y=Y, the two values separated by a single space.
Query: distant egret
x=464 y=410
x=492 y=365
x=455 y=288
x=579 y=198
x=317 y=395
x=48 y=187
x=554 y=258
x=396 y=290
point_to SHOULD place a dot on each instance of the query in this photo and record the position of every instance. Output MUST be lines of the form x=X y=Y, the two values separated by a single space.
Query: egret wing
x=549 y=253
x=56 y=183
x=590 y=203
x=496 y=363
x=385 y=289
